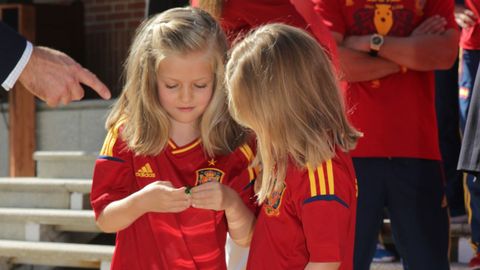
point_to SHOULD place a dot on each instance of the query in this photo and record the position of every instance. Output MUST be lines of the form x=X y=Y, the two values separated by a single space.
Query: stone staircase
x=46 y=222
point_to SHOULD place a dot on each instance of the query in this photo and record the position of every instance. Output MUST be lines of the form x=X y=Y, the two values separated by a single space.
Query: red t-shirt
x=470 y=38
x=396 y=113
x=192 y=239
x=240 y=16
x=311 y=220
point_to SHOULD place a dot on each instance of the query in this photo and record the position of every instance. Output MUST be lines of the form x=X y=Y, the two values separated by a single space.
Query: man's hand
x=464 y=17
x=55 y=78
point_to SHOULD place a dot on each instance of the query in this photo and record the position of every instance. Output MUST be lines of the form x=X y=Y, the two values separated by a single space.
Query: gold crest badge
x=272 y=204
x=209 y=175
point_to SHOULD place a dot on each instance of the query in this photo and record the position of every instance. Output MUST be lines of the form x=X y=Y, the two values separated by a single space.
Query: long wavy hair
x=146 y=124
x=281 y=85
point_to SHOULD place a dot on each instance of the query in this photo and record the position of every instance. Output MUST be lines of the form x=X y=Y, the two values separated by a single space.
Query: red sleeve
x=243 y=177
x=113 y=176
x=326 y=227
x=444 y=8
x=316 y=26
x=330 y=11
x=328 y=213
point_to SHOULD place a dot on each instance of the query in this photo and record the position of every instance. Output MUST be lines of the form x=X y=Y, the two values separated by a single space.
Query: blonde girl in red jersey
x=172 y=177
x=280 y=85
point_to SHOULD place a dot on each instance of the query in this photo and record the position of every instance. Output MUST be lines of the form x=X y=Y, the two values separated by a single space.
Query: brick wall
x=109 y=28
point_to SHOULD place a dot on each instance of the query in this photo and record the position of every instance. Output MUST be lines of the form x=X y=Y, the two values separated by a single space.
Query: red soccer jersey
x=192 y=239
x=241 y=16
x=470 y=38
x=311 y=220
x=396 y=113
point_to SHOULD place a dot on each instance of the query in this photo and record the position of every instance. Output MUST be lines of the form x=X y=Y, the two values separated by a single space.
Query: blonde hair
x=281 y=85
x=175 y=31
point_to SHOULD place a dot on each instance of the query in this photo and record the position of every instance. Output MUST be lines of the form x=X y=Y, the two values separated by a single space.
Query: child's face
x=185 y=86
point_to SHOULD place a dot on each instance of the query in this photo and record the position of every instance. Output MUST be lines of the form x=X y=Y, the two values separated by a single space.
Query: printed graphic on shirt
x=209 y=175
x=322 y=184
x=385 y=17
x=146 y=171
x=273 y=202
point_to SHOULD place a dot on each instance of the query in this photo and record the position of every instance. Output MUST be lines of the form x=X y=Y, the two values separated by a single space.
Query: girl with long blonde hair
x=281 y=85
x=172 y=177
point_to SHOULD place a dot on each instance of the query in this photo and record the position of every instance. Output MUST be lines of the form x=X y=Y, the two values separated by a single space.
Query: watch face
x=376 y=40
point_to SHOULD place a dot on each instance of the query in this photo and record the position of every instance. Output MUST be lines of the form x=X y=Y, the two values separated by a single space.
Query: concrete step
x=44 y=193
x=55 y=254
x=65 y=164
x=44 y=224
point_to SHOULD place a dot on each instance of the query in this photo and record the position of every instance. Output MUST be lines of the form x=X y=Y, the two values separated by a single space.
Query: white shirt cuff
x=13 y=76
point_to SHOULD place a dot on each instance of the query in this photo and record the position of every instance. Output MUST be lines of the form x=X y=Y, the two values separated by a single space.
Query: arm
x=12 y=48
x=158 y=196
x=322 y=266
x=358 y=66
x=216 y=196
x=48 y=74
x=418 y=52
x=314 y=20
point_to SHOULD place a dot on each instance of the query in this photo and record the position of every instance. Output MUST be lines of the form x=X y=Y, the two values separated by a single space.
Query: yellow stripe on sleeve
x=107 y=149
x=112 y=135
x=313 y=187
x=106 y=142
x=331 y=186
x=321 y=180
x=247 y=152
x=251 y=174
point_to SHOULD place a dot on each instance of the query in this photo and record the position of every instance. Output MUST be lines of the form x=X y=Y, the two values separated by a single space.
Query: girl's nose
x=186 y=94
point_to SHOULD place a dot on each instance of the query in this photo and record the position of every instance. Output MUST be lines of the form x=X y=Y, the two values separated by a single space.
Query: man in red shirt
x=388 y=50
x=238 y=17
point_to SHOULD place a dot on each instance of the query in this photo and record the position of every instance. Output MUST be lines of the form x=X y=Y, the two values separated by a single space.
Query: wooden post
x=22 y=104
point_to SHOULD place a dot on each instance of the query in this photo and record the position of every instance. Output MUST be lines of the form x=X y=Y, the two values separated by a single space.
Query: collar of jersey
x=179 y=150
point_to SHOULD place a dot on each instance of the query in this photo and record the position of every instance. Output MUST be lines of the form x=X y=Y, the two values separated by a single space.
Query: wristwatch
x=376 y=42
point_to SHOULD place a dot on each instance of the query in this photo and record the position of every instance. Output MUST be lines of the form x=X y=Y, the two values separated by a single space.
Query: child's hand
x=161 y=196
x=213 y=195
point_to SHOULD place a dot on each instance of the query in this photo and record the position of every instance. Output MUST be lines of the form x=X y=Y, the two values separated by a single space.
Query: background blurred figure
x=237 y=17
x=467 y=17
x=388 y=51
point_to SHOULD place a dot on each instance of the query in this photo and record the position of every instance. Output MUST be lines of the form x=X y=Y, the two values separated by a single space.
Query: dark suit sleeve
x=12 y=46
x=469 y=159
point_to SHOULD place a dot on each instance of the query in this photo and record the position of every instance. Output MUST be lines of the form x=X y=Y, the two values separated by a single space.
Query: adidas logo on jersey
x=146 y=171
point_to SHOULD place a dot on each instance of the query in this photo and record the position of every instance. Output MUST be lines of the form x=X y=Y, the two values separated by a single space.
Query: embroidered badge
x=272 y=204
x=209 y=175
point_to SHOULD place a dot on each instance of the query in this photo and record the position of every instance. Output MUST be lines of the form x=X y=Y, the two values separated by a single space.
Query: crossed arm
x=429 y=47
